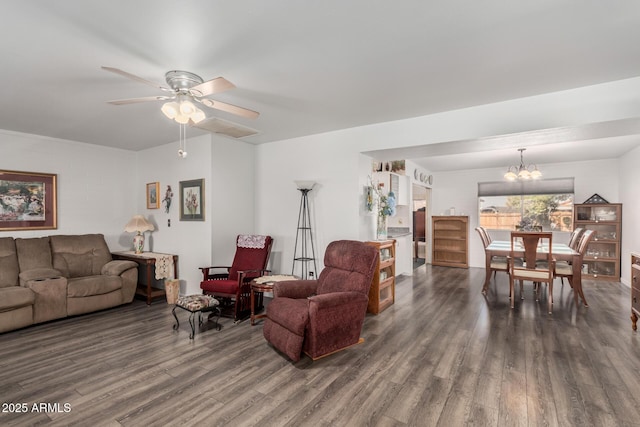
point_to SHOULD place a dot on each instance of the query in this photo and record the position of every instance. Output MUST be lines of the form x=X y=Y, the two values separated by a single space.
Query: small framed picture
x=192 y=200
x=153 y=189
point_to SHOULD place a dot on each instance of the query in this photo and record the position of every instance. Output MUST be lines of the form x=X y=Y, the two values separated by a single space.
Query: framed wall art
x=153 y=189
x=192 y=200
x=28 y=201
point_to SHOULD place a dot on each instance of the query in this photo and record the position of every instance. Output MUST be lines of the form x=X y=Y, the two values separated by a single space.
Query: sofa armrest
x=334 y=299
x=117 y=267
x=38 y=274
x=295 y=288
x=50 y=298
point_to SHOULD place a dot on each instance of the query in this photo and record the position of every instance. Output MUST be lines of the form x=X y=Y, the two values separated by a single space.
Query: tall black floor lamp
x=304 y=252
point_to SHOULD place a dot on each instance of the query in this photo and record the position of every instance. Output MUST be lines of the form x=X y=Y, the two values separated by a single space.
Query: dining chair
x=565 y=269
x=529 y=243
x=498 y=263
x=574 y=239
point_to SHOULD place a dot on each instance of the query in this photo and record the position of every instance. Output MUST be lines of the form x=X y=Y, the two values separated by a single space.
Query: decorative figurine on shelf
x=168 y=195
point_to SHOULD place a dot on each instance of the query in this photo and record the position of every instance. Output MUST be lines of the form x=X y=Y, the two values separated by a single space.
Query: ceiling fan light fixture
x=182 y=119
x=187 y=108
x=198 y=116
x=170 y=109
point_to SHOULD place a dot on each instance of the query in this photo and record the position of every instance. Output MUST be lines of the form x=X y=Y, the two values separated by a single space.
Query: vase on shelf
x=381 y=227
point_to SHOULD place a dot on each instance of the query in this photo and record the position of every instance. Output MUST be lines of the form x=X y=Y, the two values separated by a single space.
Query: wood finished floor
x=442 y=355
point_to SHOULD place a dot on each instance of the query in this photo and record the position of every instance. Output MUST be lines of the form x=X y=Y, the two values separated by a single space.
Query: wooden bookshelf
x=450 y=241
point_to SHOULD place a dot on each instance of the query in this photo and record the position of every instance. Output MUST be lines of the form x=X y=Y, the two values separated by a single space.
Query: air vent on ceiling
x=216 y=125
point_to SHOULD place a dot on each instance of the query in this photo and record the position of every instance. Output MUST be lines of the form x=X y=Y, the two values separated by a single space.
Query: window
x=526 y=205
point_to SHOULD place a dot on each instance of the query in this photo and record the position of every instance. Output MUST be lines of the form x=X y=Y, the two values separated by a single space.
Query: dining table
x=560 y=252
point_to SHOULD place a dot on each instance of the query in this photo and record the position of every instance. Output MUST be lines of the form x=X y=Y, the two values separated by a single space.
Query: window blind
x=524 y=188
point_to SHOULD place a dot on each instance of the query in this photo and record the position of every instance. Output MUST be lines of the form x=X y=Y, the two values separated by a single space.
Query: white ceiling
x=307 y=67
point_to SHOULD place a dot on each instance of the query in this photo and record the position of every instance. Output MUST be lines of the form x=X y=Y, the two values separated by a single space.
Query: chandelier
x=522 y=172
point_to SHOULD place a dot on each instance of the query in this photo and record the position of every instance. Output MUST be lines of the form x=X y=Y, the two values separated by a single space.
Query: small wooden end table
x=258 y=287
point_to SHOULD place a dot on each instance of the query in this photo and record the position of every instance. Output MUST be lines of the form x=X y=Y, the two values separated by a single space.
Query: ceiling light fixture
x=182 y=111
x=522 y=172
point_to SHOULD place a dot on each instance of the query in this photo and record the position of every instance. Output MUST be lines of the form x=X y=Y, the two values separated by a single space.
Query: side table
x=147 y=260
x=258 y=287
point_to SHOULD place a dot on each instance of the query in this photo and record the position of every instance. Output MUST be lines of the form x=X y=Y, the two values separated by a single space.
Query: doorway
x=420 y=208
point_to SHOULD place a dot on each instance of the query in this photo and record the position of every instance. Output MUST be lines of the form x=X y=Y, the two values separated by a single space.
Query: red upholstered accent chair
x=232 y=287
x=325 y=315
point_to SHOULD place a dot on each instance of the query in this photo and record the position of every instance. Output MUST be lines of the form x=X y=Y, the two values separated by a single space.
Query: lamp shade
x=170 y=109
x=138 y=224
x=304 y=185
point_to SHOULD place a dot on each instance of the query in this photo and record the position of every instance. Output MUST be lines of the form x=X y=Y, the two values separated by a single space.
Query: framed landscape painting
x=27 y=201
x=153 y=202
x=192 y=200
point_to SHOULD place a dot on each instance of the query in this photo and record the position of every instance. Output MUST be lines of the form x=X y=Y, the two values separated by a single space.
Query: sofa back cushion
x=348 y=267
x=8 y=262
x=33 y=253
x=79 y=255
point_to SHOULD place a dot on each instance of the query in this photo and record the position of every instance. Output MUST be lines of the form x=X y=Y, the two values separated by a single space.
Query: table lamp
x=139 y=225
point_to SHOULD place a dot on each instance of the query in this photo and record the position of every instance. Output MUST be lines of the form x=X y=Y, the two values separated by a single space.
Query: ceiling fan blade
x=136 y=78
x=230 y=108
x=210 y=87
x=136 y=100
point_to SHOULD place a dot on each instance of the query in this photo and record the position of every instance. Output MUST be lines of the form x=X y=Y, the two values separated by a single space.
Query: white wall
x=99 y=188
x=182 y=238
x=227 y=168
x=459 y=189
x=335 y=202
x=335 y=160
x=629 y=178
x=96 y=185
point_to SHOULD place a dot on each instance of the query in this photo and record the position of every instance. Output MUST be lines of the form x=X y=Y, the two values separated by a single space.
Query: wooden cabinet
x=635 y=289
x=399 y=184
x=602 y=258
x=450 y=241
x=383 y=287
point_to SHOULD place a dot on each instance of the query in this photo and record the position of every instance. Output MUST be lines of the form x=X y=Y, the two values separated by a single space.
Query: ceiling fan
x=185 y=87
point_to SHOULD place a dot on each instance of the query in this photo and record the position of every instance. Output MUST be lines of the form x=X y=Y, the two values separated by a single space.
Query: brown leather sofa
x=51 y=277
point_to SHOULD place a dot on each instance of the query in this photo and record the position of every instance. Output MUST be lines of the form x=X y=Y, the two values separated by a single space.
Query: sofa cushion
x=92 y=285
x=15 y=297
x=220 y=286
x=34 y=253
x=349 y=266
x=8 y=262
x=79 y=255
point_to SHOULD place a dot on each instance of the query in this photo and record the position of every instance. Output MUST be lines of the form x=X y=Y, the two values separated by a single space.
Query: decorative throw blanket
x=251 y=241
x=275 y=278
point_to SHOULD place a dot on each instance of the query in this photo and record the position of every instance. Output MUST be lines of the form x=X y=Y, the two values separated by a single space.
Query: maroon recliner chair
x=325 y=315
